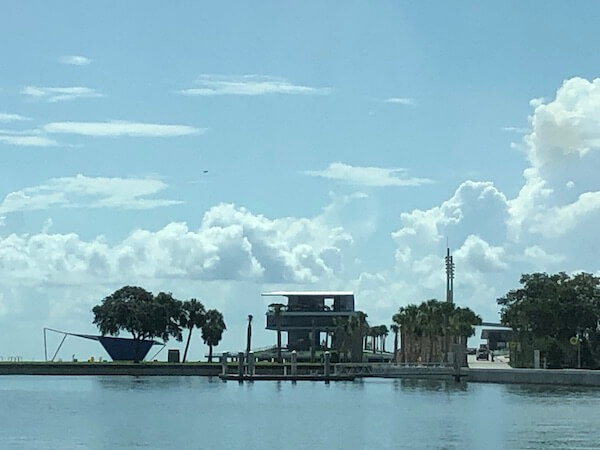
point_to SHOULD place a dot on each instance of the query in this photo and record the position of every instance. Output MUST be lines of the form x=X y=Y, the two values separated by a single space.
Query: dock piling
x=241 y=364
x=251 y=364
x=294 y=363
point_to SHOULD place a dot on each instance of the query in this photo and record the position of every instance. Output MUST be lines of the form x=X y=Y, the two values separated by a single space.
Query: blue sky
x=343 y=144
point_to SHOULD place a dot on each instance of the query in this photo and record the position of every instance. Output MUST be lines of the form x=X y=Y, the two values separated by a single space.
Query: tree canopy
x=547 y=311
x=553 y=305
x=428 y=329
x=137 y=311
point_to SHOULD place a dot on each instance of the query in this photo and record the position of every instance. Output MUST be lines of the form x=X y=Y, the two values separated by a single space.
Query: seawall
x=139 y=369
x=566 y=377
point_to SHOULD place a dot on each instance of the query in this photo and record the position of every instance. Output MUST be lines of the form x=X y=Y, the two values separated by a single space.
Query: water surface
x=194 y=412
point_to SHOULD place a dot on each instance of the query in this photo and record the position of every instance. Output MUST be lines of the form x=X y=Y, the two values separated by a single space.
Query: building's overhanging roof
x=307 y=293
x=505 y=333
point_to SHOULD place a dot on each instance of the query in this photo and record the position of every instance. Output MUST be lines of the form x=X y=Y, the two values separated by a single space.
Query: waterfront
x=199 y=412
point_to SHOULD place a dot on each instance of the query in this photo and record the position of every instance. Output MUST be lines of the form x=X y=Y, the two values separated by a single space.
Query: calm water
x=175 y=413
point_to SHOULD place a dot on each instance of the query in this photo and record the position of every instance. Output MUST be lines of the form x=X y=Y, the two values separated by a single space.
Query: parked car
x=483 y=354
x=471 y=351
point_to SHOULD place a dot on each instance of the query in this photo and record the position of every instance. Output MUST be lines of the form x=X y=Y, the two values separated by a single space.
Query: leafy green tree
x=193 y=316
x=137 y=311
x=212 y=330
x=547 y=310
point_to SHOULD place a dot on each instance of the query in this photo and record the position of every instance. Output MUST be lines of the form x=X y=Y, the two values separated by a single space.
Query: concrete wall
x=142 y=369
x=570 y=377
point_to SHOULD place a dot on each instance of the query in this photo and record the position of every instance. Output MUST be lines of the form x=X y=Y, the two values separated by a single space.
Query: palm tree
x=409 y=319
x=212 y=330
x=249 y=335
x=383 y=335
x=427 y=330
x=395 y=329
x=193 y=315
x=277 y=307
x=461 y=323
x=358 y=329
x=373 y=333
x=340 y=338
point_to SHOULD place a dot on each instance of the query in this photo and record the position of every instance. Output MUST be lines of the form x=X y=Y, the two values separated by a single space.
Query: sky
x=217 y=151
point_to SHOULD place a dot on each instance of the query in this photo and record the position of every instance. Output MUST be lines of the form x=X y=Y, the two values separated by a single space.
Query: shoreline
x=558 y=377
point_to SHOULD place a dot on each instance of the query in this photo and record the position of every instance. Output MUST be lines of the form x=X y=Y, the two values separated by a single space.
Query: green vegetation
x=193 y=316
x=148 y=316
x=427 y=330
x=377 y=333
x=348 y=336
x=212 y=330
x=549 y=311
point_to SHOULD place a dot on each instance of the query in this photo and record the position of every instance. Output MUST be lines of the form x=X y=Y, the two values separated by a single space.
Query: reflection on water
x=195 y=412
x=419 y=385
x=529 y=390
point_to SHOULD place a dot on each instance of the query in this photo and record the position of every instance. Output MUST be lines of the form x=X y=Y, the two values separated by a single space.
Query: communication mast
x=449 y=276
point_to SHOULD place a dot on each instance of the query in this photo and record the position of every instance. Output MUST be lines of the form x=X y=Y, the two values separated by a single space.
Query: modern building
x=308 y=314
x=497 y=339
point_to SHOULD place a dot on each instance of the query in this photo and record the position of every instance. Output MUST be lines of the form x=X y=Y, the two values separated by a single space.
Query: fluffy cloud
x=550 y=225
x=477 y=255
x=59 y=94
x=75 y=60
x=211 y=85
x=120 y=128
x=231 y=244
x=368 y=176
x=90 y=192
x=568 y=127
x=475 y=205
x=561 y=185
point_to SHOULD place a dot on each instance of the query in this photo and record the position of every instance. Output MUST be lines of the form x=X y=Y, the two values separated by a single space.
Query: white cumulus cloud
x=231 y=244
x=567 y=127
